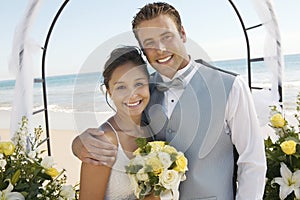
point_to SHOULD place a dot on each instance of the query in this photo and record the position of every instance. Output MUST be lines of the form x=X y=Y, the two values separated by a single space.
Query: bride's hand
x=93 y=147
x=152 y=197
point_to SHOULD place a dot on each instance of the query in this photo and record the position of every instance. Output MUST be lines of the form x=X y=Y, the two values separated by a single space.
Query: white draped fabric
x=21 y=65
x=273 y=59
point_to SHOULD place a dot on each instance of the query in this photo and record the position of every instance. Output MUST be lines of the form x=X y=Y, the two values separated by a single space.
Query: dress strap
x=114 y=130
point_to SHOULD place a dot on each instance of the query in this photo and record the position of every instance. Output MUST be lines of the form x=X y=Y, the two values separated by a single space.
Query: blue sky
x=86 y=25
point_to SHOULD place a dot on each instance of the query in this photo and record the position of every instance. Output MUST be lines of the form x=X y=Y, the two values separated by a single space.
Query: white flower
x=289 y=182
x=170 y=179
x=8 y=195
x=165 y=159
x=138 y=160
x=141 y=175
x=2 y=163
x=67 y=192
x=47 y=162
x=32 y=154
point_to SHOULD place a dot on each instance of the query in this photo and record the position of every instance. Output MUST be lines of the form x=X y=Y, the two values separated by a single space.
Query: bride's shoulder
x=109 y=133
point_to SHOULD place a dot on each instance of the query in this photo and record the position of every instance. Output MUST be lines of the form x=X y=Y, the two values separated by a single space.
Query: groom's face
x=163 y=44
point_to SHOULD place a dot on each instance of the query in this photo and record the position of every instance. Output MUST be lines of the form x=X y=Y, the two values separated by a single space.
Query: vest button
x=170 y=130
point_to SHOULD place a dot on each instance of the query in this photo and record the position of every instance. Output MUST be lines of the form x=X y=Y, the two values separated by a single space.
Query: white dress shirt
x=172 y=95
x=241 y=119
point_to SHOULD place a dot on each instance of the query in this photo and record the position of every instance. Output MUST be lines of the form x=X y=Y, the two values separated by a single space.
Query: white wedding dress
x=119 y=186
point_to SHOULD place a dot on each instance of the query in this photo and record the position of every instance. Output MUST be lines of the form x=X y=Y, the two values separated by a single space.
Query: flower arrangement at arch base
x=283 y=158
x=157 y=168
x=25 y=174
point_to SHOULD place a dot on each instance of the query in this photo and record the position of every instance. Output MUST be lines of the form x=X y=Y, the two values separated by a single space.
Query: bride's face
x=129 y=89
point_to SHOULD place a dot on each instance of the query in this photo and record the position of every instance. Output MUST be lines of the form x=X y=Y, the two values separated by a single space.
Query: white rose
x=2 y=163
x=47 y=162
x=67 y=191
x=138 y=160
x=141 y=175
x=165 y=159
x=170 y=179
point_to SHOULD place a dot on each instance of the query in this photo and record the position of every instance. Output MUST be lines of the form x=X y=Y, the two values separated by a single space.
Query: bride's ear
x=105 y=90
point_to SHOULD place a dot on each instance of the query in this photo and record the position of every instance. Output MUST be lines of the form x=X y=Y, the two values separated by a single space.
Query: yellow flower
x=181 y=163
x=157 y=145
x=156 y=165
x=169 y=149
x=7 y=148
x=277 y=120
x=288 y=147
x=52 y=172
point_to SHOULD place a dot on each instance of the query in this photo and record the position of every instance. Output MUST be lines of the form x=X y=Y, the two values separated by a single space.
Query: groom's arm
x=93 y=147
x=248 y=140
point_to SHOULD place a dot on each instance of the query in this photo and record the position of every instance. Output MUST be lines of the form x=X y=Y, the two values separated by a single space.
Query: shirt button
x=170 y=130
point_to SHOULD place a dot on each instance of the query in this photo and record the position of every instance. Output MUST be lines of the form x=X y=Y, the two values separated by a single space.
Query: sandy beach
x=63 y=129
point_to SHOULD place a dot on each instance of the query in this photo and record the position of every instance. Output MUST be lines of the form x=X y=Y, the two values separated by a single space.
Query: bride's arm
x=93 y=181
x=94 y=178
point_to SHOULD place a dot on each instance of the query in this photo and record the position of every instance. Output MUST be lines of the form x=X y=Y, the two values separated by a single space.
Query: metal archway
x=43 y=80
x=44 y=75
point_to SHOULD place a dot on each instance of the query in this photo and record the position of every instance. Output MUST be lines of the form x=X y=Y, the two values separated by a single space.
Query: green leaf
x=16 y=177
x=133 y=169
x=141 y=142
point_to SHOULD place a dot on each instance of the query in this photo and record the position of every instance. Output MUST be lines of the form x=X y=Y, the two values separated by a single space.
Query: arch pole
x=247 y=43
x=44 y=74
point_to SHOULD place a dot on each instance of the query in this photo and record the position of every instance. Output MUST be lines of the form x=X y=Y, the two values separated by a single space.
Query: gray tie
x=178 y=82
x=175 y=83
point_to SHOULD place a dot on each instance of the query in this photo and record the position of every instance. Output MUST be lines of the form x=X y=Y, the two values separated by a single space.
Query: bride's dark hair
x=121 y=56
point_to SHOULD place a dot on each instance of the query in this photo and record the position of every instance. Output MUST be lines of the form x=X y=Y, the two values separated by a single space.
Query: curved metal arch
x=44 y=75
x=48 y=38
x=247 y=42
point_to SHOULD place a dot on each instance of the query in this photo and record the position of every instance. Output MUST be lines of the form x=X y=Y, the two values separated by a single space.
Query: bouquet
x=283 y=158
x=25 y=174
x=156 y=168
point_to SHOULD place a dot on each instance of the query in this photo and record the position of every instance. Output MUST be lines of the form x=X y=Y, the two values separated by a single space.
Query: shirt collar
x=178 y=73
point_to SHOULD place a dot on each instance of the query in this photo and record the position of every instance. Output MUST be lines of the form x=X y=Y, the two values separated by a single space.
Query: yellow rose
x=169 y=149
x=156 y=165
x=288 y=147
x=7 y=148
x=157 y=145
x=181 y=163
x=52 y=172
x=277 y=120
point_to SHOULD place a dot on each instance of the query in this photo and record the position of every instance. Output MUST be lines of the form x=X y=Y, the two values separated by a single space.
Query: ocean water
x=81 y=92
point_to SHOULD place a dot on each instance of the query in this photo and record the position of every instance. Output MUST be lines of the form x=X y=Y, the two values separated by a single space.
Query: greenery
x=283 y=157
x=25 y=174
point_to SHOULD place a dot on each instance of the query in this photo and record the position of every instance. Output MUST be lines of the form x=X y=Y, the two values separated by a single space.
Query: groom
x=209 y=118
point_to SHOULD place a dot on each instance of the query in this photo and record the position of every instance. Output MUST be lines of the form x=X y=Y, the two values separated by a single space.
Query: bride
x=126 y=80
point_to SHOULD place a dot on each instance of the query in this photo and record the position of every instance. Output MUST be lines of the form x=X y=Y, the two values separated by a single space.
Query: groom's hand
x=93 y=147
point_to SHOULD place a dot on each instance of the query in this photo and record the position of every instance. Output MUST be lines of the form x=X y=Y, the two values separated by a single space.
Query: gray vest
x=197 y=128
